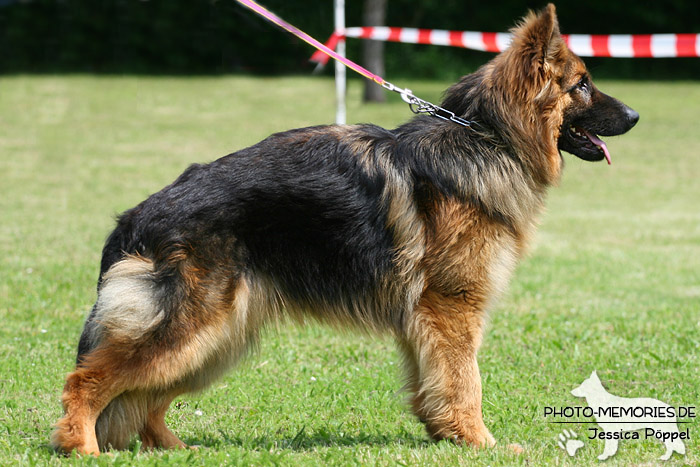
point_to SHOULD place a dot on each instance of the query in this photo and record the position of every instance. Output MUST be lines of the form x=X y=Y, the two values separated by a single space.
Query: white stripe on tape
x=580 y=44
x=621 y=46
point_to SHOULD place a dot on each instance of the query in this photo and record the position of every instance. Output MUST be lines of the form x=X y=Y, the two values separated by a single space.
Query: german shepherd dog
x=412 y=231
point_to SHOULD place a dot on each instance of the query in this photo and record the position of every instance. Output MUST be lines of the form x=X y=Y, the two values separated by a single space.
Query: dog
x=608 y=412
x=412 y=232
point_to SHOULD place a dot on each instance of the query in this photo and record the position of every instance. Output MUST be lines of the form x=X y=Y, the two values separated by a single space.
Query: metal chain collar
x=418 y=106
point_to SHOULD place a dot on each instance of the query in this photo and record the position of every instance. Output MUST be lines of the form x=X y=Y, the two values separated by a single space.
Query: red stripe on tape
x=600 y=46
x=490 y=44
x=319 y=56
x=685 y=45
x=566 y=39
x=456 y=39
x=424 y=36
x=394 y=34
x=641 y=45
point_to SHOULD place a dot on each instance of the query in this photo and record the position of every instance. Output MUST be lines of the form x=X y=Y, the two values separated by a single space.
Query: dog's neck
x=477 y=98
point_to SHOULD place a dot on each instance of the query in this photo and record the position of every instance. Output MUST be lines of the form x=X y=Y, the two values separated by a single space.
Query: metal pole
x=340 y=82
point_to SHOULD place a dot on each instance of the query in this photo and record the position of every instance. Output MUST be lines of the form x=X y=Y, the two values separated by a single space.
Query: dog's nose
x=632 y=117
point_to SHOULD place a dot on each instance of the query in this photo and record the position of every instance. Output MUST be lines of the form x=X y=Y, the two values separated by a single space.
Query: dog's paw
x=516 y=448
x=478 y=439
x=569 y=443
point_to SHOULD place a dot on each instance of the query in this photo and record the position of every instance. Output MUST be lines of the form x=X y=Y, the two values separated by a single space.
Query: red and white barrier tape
x=584 y=45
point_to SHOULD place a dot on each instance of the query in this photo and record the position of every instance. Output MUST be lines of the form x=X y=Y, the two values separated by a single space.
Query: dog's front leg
x=442 y=340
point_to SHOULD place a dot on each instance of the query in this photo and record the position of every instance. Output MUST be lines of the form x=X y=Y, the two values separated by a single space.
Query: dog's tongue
x=601 y=144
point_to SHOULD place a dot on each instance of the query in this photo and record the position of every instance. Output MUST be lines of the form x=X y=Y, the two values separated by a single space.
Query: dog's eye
x=583 y=85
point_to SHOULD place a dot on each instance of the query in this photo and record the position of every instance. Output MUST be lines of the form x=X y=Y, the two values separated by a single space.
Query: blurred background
x=221 y=37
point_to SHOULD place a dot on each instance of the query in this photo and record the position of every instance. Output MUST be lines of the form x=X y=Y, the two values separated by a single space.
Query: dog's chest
x=468 y=252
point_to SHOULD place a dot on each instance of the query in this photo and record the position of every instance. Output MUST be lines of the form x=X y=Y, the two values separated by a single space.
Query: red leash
x=416 y=104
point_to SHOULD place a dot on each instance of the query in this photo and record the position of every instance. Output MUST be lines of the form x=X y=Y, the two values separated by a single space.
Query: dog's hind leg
x=111 y=396
x=86 y=393
x=154 y=433
x=144 y=347
x=137 y=411
x=446 y=333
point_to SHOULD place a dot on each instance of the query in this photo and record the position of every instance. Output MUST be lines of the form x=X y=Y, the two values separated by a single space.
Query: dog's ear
x=538 y=43
x=594 y=376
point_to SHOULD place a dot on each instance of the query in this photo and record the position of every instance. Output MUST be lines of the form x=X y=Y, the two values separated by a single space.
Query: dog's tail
x=127 y=305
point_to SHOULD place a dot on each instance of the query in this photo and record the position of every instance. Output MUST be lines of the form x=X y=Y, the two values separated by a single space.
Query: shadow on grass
x=304 y=441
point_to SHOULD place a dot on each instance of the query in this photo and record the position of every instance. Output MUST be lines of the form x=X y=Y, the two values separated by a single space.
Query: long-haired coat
x=412 y=231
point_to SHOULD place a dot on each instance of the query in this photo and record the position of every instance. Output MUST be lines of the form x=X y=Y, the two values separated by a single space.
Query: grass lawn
x=612 y=283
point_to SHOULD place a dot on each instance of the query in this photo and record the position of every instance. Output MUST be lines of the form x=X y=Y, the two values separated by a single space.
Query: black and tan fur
x=412 y=231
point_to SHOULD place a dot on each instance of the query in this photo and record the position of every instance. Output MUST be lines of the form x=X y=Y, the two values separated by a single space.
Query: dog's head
x=563 y=85
x=539 y=97
x=589 y=114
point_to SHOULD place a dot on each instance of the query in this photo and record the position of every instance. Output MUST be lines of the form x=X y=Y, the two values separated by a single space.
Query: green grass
x=612 y=282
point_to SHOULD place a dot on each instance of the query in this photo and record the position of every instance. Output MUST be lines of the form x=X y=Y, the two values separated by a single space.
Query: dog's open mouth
x=591 y=141
x=584 y=144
